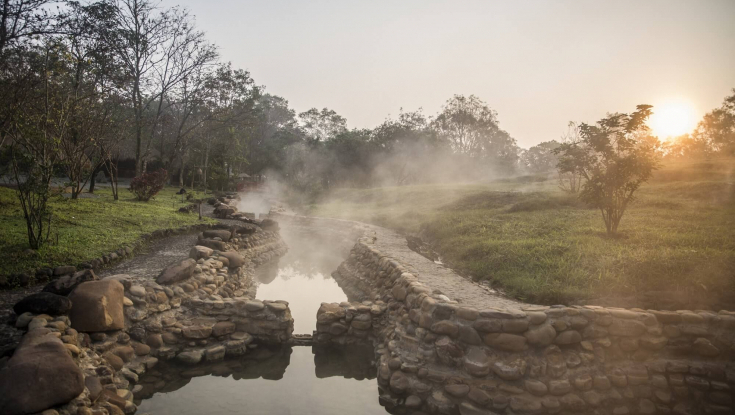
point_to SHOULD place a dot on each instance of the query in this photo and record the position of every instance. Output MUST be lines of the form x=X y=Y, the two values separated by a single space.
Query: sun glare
x=672 y=119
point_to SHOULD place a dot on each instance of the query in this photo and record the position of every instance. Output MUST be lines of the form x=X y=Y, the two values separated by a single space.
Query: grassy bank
x=543 y=246
x=85 y=228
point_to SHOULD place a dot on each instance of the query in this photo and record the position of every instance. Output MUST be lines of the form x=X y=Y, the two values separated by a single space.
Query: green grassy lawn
x=86 y=228
x=543 y=246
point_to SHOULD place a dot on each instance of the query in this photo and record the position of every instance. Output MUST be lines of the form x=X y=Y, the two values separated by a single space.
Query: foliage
x=86 y=228
x=541 y=157
x=35 y=121
x=570 y=177
x=717 y=127
x=539 y=244
x=322 y=125
x=148 y=184
x=615 y=156
x=686 y=146
x=471 y=128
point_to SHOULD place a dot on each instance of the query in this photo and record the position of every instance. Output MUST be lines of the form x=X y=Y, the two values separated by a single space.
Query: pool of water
x=278 y=380
x=303 y=276
x=285 y=380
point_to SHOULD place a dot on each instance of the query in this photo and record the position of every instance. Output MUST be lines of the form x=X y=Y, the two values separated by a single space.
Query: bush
x=148 y=184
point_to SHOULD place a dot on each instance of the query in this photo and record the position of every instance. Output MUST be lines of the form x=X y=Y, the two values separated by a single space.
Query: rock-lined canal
x=303 y=276
x=205 y=335
x=284 y=379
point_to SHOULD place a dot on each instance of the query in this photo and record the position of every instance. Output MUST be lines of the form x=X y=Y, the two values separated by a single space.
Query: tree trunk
x=92 y=181
x=93 y=178
x=206 y=165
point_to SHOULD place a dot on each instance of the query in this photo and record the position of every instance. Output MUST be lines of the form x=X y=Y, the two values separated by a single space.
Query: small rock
x=37 y=323
x=704 y=347
x=458 y=391
x=191 y=357
x=74 y=350
x=23 y=319
x=255 y=305
x=137 y=291
x=215 y=353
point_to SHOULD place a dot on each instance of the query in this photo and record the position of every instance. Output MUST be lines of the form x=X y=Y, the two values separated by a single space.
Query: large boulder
x=223 y=211
x=235 y=260
x=67 y=283
x=98 y=306
x=177 y=272
x=43 y=303
x=211 y=243
x=246 y=228
x=199 y=251
x=41 y=374
x=223 y=234
x=269 y=225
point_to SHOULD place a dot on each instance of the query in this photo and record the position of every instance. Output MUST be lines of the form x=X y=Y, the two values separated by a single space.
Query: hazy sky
x=539 y=64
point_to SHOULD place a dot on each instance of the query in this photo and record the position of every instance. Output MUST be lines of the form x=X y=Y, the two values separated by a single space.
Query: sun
x=672 y=119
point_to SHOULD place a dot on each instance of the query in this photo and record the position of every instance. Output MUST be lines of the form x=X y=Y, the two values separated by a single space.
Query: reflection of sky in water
x=304 y=290
x=303 y=276
x=299 y=392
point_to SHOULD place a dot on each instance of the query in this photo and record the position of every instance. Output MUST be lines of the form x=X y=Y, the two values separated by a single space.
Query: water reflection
x=303 y=276
x=284 y=380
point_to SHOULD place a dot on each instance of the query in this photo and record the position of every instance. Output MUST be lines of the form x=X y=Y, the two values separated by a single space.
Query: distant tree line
x=123 y=87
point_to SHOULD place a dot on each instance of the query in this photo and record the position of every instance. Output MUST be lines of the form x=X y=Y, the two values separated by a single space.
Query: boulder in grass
x=177 y=272
x=235 y=260
x=43 y=303
x=97 y=306
x=67 y=283
x=40 y=375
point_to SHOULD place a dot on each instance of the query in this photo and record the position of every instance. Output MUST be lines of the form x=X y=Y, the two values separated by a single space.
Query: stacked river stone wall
x=439 y=356
x=201 y=309
x=350 y=323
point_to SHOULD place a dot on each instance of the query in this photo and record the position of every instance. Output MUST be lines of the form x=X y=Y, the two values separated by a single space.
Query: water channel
x=280 y=380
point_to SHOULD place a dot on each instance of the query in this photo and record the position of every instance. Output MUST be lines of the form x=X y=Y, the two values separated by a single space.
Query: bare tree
x=24 y=19
x=182 y=80
x=188 y=113
x=34 y=132
x=91 y=81
x=138 y=39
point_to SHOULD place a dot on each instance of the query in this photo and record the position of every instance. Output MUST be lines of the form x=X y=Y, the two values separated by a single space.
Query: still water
x=290 y=380
x=303 y=277
x=281 y=380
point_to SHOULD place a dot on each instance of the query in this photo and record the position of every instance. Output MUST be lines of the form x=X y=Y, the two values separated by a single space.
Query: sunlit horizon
x=673 y=118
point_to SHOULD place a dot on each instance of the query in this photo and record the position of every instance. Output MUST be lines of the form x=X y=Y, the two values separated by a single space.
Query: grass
x=543 y=246
x=86 y=228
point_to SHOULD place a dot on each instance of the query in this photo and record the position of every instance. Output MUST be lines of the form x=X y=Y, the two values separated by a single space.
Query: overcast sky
x=539 y=64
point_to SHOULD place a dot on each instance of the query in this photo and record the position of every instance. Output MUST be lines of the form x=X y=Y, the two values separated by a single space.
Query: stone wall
x=197 y=310
x=350 y=323
x=441 y=357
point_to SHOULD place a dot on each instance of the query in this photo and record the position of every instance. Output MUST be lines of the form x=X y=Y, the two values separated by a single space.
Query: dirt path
x=433 y=275
x=439 y=277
